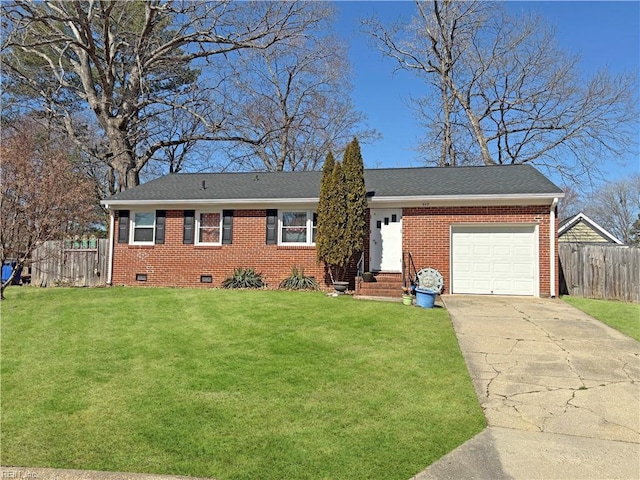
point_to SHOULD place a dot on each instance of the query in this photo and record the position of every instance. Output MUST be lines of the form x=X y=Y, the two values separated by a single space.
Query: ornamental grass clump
x=299 y=281
x=244 y=278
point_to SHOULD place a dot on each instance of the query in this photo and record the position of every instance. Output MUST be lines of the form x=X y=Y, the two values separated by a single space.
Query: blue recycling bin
x=425 y=297
x=7 y=268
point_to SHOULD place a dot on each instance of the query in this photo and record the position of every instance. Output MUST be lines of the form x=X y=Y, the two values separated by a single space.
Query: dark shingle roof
x=389 y=182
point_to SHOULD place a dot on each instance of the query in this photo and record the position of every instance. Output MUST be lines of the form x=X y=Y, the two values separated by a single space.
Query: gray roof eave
x=512 y=196
x=210 y=201
x=458 y=199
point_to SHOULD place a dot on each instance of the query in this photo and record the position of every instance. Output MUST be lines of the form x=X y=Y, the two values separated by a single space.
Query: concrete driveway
x=560 y=391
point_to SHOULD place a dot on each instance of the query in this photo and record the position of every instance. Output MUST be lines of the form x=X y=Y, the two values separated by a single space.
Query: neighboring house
x=488 y=230
x=581 y=229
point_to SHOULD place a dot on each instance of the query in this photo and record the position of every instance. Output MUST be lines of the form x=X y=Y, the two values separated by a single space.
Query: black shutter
x=272 y=226
x=161 y=216
x=189 y=216
x=123 y=226
x=227 y=226
x=314 y=228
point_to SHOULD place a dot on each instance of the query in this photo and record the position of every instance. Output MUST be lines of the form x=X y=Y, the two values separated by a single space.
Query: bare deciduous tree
x=130 y=68
x=291 y=102
x=571 y=204
x=44 y=195
x=616 y=206
x=505 y=83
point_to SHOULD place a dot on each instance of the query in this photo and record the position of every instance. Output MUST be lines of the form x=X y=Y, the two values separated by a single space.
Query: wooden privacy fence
x=72 y=264
x=600 y=271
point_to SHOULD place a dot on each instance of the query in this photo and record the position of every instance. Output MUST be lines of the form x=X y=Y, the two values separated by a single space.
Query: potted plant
x=368 y=277
x=407 y=298
x=340 y=286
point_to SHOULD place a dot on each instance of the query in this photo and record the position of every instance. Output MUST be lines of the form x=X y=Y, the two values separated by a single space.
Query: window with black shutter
x=144 y=226
x=161 y=216
x=227 y=226
x=272 y=226
x=187 y=235
x=123 y=226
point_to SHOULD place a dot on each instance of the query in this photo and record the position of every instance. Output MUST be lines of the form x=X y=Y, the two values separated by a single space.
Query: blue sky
x=605 y=34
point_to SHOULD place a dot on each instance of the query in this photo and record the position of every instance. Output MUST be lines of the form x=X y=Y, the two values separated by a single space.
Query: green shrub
x=342 y=211
x=244 y=278
x=299 y=281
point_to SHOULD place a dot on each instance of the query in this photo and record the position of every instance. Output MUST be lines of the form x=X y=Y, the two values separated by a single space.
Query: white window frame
x=196 y=228
x=132 y=228
x=308 y=225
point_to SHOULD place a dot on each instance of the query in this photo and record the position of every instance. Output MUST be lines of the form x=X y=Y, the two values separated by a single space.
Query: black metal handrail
x=360 y=265
x=407 y=278
x=404 y=271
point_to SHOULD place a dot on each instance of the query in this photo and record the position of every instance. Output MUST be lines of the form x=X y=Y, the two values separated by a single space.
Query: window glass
x=143 y=225
x=294 y=227
x=209 y=228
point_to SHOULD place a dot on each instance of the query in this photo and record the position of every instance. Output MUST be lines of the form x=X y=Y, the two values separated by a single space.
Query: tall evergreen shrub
x=342 y=221
x=332 y=221
x=356 y=228
x=324 y=233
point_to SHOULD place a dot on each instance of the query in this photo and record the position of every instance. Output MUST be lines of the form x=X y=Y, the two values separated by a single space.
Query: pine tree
x=356 y=229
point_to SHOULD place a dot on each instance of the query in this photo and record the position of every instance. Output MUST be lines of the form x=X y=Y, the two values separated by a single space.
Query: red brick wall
x=176 y=264
x=425 y=233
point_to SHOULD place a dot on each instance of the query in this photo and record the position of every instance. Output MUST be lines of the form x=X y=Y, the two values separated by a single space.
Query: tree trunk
x=475 y=126
x=447 y=151
x=126 y=172
x=3 y=285
x=123 y=161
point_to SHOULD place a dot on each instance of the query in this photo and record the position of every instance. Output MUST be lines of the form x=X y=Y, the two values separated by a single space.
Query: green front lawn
x=624 y=317
x=230 y=384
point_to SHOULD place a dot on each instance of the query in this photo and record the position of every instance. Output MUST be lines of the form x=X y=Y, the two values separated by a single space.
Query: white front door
x=385 y=249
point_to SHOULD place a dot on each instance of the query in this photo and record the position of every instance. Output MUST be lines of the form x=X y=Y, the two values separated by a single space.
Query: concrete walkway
x=560 y=390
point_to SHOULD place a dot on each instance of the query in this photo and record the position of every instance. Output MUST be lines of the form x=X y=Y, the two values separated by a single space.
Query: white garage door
x=498 y=260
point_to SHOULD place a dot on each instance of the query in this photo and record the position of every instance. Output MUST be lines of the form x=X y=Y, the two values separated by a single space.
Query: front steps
x=386 y=285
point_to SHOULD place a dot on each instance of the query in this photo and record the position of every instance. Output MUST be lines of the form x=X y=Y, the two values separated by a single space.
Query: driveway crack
x=495 y=370
x=524 y=418
x=538 y=370
x=625 y=369
x=552 y=339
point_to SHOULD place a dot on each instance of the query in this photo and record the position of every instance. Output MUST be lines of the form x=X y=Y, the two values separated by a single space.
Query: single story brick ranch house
x=487 y=230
